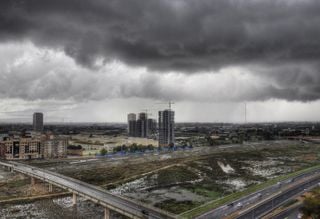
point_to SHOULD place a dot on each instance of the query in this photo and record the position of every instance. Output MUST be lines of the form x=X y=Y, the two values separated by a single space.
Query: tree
x=103 y=151
x=75 y=147
x=311 y=205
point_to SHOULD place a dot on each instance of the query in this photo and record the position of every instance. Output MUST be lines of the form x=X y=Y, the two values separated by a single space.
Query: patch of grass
x=176 y=207
x=216 y=203
x=175 y=174
x=207 y=189
x=207 y=193
x=17 y=183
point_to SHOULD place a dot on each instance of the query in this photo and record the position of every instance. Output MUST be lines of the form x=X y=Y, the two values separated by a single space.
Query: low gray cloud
x=31 y=74
x=291 y=81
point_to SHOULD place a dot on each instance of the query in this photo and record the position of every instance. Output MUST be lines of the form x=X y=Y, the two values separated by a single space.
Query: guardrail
x=6 y=164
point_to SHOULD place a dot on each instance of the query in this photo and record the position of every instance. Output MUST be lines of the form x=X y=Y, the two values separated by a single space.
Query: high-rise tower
x=152 y=127
x=38 y=122
x=132 y=123
x=142 y=125
x=166 y=128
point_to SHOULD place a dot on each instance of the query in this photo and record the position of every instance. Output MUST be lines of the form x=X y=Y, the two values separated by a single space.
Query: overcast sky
x=97 y=60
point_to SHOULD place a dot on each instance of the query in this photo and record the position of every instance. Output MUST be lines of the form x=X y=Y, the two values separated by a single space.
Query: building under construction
x=166 y=128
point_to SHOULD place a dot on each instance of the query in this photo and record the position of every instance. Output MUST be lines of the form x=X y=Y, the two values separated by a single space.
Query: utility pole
x=245 y=113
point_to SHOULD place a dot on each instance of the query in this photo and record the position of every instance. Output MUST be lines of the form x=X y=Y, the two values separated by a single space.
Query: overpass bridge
x=124 y=206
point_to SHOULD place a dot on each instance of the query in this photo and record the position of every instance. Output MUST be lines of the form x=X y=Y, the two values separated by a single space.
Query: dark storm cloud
x=182 y=35
x=291 y=81
x=276 y=39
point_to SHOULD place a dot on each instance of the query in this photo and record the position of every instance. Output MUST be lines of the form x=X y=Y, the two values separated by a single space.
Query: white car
x=239 y=205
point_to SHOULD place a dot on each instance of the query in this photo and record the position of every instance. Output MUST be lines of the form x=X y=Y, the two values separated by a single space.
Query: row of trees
x=311 y=205
x=74 y=147
x=131 y=148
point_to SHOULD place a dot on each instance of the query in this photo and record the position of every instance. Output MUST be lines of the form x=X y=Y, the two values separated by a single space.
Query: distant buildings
x=141 y=127
x=33 y=147
x=38 y=122
x=21 y=148
x=152 y=127
x=166 y=128
x=132 y=123
x=145 y=127
x=55 y=147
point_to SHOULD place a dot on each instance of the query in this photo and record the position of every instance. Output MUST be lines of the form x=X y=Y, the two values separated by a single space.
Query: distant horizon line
x=198 y=122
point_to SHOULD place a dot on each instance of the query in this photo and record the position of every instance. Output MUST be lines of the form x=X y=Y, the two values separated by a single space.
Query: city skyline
x=229 y=113
x=209 y=61
x=159 y=109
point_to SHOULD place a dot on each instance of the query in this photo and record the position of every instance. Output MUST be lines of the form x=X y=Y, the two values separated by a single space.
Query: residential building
x=152 y=127
x=38 y=122
x=166 y=128
x=132 y=124
x=21 y=148
x=3 y=150
x=142 y=125
x=55 y=147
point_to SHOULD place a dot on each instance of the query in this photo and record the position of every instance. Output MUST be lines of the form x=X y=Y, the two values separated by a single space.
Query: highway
x=247 y=201
x=290 y=213
x=130 y=208
x=275 y=201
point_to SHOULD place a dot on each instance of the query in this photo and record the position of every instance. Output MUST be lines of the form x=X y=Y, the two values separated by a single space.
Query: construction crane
x=146 y=111
x=169 y=104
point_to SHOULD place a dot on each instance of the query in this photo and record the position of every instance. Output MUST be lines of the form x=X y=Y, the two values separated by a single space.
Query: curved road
x=124 y=206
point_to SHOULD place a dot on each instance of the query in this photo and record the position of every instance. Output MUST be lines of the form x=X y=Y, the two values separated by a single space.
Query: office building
x=132 y=123
x=166 y=128
x=38 y=122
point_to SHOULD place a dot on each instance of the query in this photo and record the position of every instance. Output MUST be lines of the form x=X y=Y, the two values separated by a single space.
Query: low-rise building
x=55 y=147
x=2 y=151
x=26 y=147
x=21 y=148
